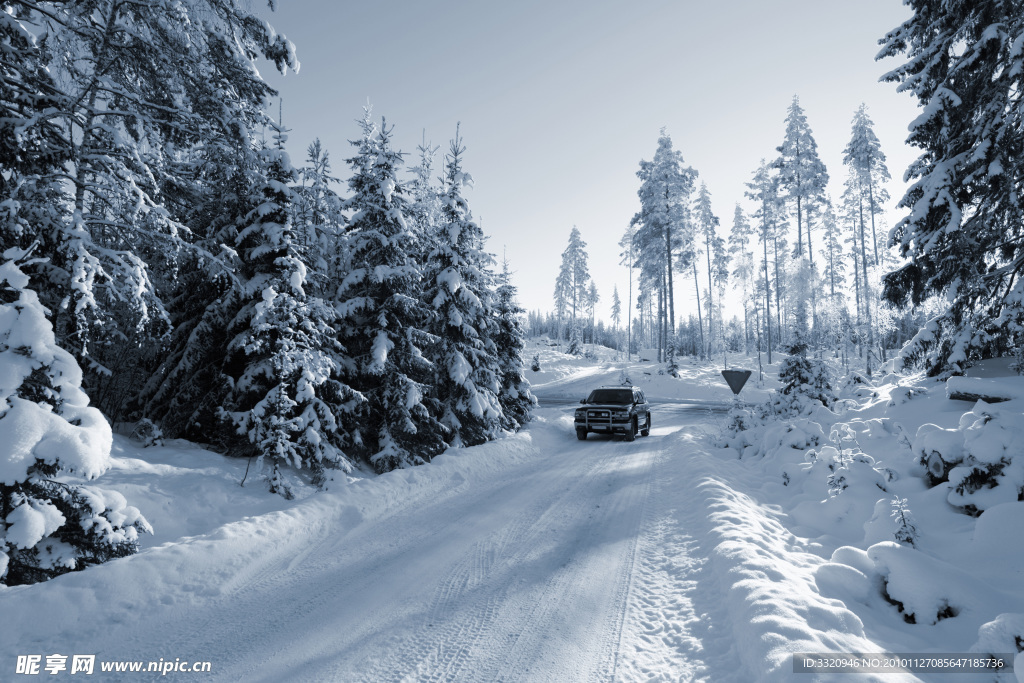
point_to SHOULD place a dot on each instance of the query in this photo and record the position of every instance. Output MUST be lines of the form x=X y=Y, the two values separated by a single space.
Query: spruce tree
x=509 y=339
x=574 y=274
x=49 y=527
x=739 y=239
x=962 y=231
x=283 y=357
x=714 y=249
x=458 y=291
x=382 y=314
x=863 y=154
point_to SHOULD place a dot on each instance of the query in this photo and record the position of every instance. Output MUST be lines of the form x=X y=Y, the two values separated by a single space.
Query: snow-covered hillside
x=537 y=557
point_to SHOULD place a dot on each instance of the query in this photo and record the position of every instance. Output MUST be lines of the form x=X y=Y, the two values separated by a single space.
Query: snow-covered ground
x=541 y=558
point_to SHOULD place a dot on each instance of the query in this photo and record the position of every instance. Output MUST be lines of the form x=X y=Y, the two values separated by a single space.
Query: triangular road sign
x=736 y=379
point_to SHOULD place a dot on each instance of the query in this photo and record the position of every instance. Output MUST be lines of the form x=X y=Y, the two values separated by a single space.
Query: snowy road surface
x=535 y=558
x=528 y=575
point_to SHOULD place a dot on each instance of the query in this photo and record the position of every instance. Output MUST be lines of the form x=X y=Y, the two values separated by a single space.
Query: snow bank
x=765 y=575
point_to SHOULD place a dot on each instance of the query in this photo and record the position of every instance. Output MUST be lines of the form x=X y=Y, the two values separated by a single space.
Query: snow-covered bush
x=906 y=530
x=147 y=433
x=805 y=381
x=49 y=527
x=575 y=346
x=535 y=363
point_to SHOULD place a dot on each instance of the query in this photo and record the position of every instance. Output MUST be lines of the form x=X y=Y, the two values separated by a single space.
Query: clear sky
x=559 y=100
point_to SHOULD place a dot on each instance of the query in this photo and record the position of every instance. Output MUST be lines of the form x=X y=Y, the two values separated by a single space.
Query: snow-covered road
x=524 y=576
x=535 y=558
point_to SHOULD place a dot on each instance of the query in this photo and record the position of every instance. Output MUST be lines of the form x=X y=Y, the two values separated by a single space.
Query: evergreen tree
x=426 y=207
x=573 y=276
x=832 y=250
x=283 y=357
x=318 y=220
x=509 y=338
x=965 y=213
x=139 y=81
x=48 y=527
x=863 y=154
x=626 y=244
x=714 y=248
x=616 y=309
x=660 y=225
x=739 y=239
x=593 y=297
x=764 y=190
x=802 y=175
x=467 y=377
x=382 y=314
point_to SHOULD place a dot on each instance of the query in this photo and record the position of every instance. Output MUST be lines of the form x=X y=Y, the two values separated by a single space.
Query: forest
x=167 y=270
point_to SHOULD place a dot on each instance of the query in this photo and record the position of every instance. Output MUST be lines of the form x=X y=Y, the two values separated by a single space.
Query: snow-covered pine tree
x=744 y=272
x=661 y=226
x=318 y=220
x=626 y=258
x=863 y=154
x=714 y=249
x=142 y=87
x=426 y=198
x=764 y=191
x=803 y=379
x=616 y=312
x=283 y=357
x=509 y=338
x=593 y=297
x=457 y=290
x=48 y=527
x=832 y=250
x=573 y=276
x=962 y=232
x=382 y=313
x=802 y=175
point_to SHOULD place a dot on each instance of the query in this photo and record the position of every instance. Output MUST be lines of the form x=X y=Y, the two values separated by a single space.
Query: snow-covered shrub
x=575 y=346
x=49 y=527
x=1003 y=634
x=535 y=363
x=906 y=531
x=805 y=381
x=903 y=394
x=147 y=433
x=672 y=365
x=923 y=589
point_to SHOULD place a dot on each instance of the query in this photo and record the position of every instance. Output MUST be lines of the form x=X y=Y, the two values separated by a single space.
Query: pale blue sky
x=559 y=101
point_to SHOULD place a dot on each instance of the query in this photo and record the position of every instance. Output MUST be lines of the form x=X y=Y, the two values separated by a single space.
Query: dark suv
x=610 y=410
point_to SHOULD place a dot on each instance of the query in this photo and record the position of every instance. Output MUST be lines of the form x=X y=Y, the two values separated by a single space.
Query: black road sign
x=736 y=379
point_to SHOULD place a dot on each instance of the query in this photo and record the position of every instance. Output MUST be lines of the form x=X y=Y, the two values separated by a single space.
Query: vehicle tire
x=581 y=434
x=631 y=432
x=646 y=431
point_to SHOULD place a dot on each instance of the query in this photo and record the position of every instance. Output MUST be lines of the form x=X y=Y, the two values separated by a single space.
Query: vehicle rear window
x=622 y=396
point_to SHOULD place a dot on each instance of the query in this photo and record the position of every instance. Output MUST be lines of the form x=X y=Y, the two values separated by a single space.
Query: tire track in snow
x=469 y=599
x=564 y=592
